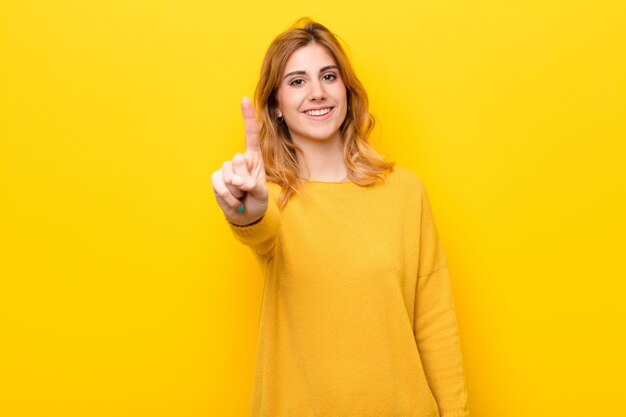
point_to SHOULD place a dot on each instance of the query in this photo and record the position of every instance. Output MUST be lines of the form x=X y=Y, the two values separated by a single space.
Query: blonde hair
x=365 y=165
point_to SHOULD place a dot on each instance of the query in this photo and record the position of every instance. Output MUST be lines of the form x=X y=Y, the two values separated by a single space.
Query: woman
x=357 y=316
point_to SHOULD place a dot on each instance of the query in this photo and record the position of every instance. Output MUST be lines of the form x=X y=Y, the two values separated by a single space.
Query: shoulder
x=406 y=178
x=410 y=187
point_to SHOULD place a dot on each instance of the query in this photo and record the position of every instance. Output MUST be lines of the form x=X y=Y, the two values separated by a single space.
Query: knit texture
x=357 y=318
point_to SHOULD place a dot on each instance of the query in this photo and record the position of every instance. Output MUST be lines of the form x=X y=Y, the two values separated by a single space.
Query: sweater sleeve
x=261 y=236
x=435 y=321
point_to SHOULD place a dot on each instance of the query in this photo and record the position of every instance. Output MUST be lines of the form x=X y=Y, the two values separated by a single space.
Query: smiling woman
x=357 y=316
x=306 y=69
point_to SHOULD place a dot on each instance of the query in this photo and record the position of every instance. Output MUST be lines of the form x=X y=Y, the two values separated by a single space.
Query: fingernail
x=241 y=208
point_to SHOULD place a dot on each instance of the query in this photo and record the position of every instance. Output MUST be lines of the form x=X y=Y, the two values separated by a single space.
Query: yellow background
x=122 y=292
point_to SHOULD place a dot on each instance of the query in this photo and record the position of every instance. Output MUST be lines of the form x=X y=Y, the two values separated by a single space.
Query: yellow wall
x=122 y=292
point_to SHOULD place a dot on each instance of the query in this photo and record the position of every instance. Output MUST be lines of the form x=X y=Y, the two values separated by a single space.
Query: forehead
x=311 y=57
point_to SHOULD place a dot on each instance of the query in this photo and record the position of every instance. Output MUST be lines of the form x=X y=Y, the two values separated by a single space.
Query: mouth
x=319 y=114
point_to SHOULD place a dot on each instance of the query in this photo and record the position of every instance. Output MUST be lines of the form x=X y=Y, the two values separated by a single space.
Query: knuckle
x=216 y=178
x=223 y=194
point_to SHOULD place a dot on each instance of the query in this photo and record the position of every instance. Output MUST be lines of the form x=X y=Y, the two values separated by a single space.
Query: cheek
x=287 y=100
x=283 y=97
x=340 y=93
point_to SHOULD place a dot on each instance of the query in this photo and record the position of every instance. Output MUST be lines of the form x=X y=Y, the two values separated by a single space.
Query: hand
x=240 y=186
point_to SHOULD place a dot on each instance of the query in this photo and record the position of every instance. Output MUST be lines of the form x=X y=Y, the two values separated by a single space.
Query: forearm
x=438 y=344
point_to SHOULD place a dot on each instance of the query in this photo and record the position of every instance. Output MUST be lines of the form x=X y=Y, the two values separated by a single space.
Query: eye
x=297 y=82
x=330 y=76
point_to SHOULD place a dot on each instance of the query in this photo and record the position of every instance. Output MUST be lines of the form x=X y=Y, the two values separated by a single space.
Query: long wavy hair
x=365 y=165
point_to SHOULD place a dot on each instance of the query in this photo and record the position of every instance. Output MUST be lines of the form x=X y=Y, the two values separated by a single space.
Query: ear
x=278 y=114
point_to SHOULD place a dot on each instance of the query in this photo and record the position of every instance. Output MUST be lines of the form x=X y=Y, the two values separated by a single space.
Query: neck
x=322 y=160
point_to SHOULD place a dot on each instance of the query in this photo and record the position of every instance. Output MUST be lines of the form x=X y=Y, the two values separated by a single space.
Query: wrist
x=246 y=225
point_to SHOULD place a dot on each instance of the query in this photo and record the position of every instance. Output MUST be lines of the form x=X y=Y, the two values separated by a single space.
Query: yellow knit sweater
x=358 y=317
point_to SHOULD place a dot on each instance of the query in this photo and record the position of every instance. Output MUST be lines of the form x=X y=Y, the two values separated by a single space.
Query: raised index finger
x=250 y=125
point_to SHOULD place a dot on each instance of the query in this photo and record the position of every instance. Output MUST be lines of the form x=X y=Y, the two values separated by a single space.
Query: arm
x=261 y=236
x=435 y=325
x=242 y=192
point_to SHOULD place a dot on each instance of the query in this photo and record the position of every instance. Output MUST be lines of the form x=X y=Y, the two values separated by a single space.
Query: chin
x=320 y=134
x=323 y=134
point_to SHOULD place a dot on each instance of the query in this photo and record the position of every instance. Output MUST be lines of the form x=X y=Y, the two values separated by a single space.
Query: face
x=312 y=96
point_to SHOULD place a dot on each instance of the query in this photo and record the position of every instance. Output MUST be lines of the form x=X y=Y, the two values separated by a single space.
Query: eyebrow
x=326 y=68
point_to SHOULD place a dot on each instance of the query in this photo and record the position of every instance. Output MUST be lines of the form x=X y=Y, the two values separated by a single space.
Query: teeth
x=317 y=112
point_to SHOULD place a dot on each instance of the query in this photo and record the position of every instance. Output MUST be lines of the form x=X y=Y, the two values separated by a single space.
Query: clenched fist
x=240 y=186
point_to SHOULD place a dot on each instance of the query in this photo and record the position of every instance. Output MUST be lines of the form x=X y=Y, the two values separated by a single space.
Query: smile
x=319 y=114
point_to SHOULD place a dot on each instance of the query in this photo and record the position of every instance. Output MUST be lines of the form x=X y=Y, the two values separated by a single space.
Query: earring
x=280 y=118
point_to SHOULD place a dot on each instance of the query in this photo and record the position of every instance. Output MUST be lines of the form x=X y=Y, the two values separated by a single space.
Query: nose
x=317 y=91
